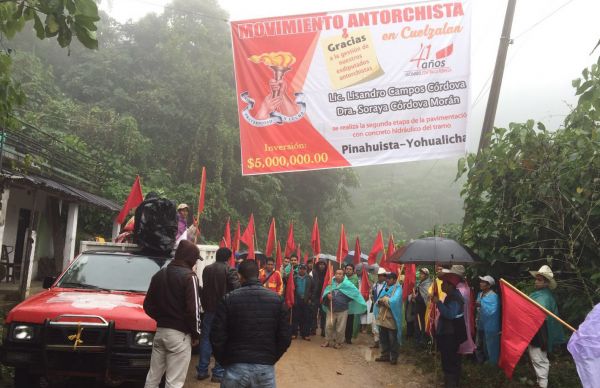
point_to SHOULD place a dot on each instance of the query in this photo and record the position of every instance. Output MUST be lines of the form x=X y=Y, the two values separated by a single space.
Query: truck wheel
x=23 y=379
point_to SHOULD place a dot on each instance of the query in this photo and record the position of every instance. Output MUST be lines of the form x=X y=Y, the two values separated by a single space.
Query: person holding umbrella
x=451 y=330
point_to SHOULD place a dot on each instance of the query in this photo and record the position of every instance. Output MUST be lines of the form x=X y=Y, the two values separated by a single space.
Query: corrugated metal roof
x=73 y=193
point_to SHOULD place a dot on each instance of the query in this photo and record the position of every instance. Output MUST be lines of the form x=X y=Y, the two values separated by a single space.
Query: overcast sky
x=552 y=43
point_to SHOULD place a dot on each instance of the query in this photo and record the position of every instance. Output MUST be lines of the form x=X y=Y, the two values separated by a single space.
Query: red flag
x=235 y=245
x=290 y=290
x=290 y=246
x=133 y=200
x=227 y=235
x=278 y=258
x=298 y=253
x=410 y=279
x=248 y=237
x=315 y=239
x=305 y=258
x=357 y=252
x=342 y=250
x=365 y=287
x=393 y=267
x=521 y=319
x=270 y=239
x=202 y=192
x=328 y=280
x=378 y=246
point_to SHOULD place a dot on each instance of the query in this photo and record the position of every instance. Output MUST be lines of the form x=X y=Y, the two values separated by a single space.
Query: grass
x=563 y=373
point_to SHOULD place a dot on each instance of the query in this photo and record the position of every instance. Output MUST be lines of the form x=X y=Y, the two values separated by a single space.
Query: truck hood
x=125 y=309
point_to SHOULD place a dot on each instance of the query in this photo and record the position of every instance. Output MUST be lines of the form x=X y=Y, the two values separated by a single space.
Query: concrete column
x=27 y=274
x=30 y=238
x=3 y=211
x=69 y=250
x=115 y=230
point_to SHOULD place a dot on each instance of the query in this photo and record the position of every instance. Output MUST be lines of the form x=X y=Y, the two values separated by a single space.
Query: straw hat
x=458 y=270
x=487 y=278
x=381 y=271
x=182 y=206
x=546 y=272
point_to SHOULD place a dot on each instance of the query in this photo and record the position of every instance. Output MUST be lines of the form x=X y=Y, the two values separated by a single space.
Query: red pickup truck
x=89 y=322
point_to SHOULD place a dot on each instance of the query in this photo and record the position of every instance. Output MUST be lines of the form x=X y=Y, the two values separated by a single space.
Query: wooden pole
x=565 y=324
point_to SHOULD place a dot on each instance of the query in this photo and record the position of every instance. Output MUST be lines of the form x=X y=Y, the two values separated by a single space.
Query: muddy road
x=307 y=365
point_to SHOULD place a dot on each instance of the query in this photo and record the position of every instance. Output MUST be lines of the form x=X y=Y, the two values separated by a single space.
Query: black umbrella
x=350 y=257
x=432 y=250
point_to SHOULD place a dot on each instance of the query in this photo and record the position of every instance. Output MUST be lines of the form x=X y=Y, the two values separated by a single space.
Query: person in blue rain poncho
x=388 y=313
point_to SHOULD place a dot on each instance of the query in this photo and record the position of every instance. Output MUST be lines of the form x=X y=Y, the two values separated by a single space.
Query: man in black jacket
x=173 y=302
x=250 y=332
x=217 y=280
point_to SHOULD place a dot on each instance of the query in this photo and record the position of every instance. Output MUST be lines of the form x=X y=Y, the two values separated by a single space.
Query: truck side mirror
x=48 y=282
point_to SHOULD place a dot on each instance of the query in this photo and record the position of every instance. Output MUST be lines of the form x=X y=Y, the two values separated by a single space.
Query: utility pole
x=492 y=104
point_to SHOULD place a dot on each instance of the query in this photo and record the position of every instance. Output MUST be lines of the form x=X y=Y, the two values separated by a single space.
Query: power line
x=534 y=25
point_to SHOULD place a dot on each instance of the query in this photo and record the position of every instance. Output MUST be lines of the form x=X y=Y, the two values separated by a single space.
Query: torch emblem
x=277 y=107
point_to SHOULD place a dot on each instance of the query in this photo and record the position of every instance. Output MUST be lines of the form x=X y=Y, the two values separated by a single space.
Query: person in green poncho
x=340 y=298
x=351 y=323
x=551 y=332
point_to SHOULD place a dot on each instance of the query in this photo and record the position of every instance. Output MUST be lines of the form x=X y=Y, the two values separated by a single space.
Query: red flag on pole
x=410 y=280
x=290 y=290
x=521 y=319
x=365 y=287
x=235 y=245
x=278 y=258
x=133 y=200
x=388 y=253
x=202 y=193
x=298 y=253
x=226 y=241
x=328 y=280
x=270 y=239
x=357 y=252
x=248 y=237
x=315 y=238
x=342 y=250
x=378 y=246
x=290 y=245
x=305 y=258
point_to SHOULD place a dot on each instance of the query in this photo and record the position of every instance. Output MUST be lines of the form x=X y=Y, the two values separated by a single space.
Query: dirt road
x=307 y=365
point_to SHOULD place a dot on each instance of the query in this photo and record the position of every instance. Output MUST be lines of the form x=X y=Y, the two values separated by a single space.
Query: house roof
x=64 y=189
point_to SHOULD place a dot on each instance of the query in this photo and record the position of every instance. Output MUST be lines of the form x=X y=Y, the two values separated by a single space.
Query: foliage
x=62 y=19
x=157 y=100
x=533 y=197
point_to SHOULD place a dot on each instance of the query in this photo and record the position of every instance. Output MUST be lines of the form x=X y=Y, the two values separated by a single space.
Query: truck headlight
x=22 y=333
x=143 y=338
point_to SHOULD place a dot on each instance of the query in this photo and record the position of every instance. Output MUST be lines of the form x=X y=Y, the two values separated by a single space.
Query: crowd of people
x=247 y=326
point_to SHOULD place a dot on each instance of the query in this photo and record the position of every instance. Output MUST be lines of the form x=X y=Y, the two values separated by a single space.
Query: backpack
x=155 y=226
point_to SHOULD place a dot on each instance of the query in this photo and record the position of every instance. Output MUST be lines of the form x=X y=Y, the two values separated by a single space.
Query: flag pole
x=565 y=324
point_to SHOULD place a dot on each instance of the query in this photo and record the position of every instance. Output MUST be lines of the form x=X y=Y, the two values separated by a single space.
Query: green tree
x=533 y=197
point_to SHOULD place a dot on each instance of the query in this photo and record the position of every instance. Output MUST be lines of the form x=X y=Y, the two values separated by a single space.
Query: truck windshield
x=112 y=272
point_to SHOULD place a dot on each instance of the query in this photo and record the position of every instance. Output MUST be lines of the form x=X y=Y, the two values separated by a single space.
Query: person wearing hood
x=340 y=298
x=318 y=318
x=388 y=311
x=551 y=333
x=173 y=302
